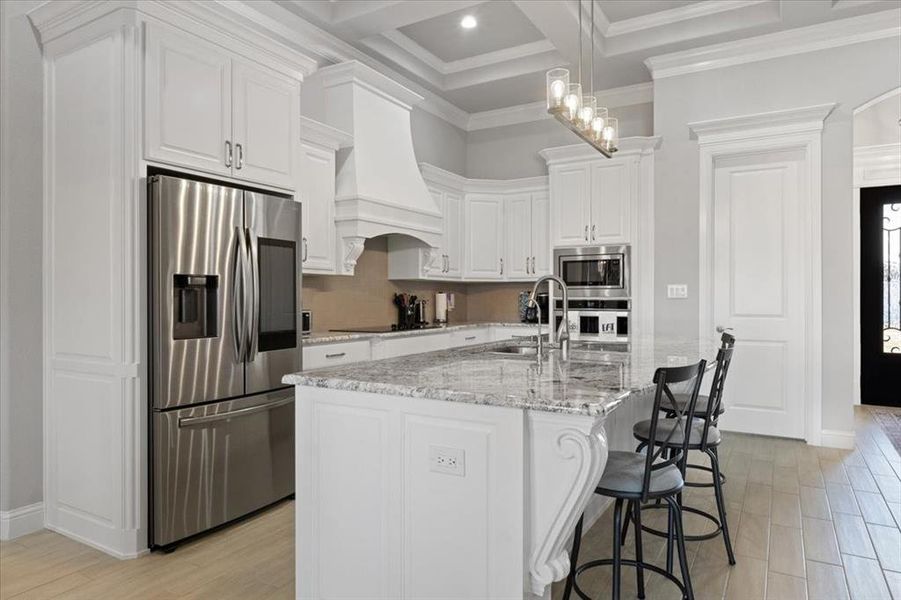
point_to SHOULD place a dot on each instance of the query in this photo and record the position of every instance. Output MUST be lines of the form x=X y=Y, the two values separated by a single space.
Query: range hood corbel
x=379 y=188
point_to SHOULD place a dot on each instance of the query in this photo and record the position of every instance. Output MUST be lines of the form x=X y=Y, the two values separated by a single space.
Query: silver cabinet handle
x=240 y=149
x=336 y=355
x=502 y=266
x=592 y=232
x=533 y=265
x=446 y=263
x=228 y=153
x=241 y=412
x=306 y=251
x=527 y=265
x=470 y=338
x=586 y=233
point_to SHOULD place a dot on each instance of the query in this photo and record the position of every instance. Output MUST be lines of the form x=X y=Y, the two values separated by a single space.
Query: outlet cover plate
x=451 y=461
x=677 y=290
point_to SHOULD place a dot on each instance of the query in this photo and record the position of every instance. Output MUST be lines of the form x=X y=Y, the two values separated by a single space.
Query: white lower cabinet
x=330 y=355
x=471 y=337
x=415 y=344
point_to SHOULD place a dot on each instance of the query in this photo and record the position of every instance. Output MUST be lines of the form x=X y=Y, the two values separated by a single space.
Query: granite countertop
x=590 y=383
x=333 y=337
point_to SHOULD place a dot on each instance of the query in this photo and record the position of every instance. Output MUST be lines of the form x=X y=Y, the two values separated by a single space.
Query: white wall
x=21 y=90
x=850 y=76
x=437 y=142
x=879 y=124
x=512 y=151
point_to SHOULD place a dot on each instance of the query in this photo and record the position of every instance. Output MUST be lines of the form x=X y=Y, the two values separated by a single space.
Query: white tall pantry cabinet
x=210 y=83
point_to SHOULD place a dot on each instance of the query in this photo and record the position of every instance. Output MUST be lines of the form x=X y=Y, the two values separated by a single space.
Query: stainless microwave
x=594 y=271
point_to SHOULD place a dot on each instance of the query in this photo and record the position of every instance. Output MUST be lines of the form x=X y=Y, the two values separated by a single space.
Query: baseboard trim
x=21 y=521
x=833 y=438
x=98 y=546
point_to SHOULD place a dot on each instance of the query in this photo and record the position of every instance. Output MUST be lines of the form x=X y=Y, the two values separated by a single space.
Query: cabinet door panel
x=518 y=220
x=610 y=202
x=541 y=231
x=267 y=125
x=570 y=202
x=317 y=193
x=188 y=101
x=453 y=234
x=484 y=236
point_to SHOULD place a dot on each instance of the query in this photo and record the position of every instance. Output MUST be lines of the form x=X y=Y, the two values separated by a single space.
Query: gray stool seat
x=624 y=476
x=700 y=407
x=642 y=432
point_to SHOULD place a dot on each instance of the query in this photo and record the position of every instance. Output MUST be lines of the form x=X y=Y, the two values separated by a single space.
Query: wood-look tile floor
x=249 y=560
x=806 y=523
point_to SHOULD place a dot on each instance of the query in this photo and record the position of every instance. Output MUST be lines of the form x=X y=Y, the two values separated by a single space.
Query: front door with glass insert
x=880 y=295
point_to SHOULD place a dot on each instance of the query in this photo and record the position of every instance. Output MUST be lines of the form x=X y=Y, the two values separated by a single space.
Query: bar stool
x=638 y=478
x=704 y=437
x=726 y=341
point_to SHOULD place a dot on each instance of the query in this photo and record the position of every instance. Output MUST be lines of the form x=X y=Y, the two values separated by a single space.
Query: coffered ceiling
x=502 y=60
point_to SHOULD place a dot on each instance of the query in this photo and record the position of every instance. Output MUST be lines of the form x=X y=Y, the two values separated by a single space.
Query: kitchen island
x=460 y=473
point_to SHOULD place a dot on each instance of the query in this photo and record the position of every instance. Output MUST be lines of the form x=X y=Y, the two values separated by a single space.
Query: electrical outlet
x=447 y=460
x=676 y=361
x=677 y=290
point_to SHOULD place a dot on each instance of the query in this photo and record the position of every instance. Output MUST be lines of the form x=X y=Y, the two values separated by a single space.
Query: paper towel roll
x=441 y=308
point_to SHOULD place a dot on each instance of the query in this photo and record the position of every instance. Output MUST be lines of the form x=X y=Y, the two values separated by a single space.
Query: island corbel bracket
x=568 y=454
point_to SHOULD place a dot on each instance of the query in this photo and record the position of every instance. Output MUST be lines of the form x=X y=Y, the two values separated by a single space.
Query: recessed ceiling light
x=468 y=22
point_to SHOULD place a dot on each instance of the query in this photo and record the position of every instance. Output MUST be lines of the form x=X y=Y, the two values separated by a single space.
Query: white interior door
x=758 y=290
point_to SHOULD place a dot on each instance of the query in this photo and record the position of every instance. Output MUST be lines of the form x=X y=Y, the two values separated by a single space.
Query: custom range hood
x=379 y=189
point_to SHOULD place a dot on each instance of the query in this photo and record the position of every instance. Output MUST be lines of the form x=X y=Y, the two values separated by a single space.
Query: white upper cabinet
x=484 y=235
x=188 y=102
x=611 y=202
x=208 y=110
x=591 y=201
x=453 y=234
x=570 y=188
x=316 y=192
x=518 y=235
x=541 y=234
x=266 y=125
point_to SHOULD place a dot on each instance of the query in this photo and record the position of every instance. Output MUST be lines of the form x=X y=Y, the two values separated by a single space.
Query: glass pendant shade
x=557 y=84
x=597 y=124
x=610 y=137
x=572 y=102
x=586 y=113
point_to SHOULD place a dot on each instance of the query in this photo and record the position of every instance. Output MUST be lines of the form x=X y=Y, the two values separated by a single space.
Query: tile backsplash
x=366 y=298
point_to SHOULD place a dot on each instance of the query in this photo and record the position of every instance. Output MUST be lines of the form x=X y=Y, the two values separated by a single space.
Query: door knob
x=721 y=329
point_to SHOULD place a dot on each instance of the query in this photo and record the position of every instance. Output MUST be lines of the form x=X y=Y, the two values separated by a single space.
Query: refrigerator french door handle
x=239 y=295
x=241 y=412
x=253 y=324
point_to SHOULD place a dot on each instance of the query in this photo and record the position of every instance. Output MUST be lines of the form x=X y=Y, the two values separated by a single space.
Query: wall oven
x=594 y=271
x=597 y=319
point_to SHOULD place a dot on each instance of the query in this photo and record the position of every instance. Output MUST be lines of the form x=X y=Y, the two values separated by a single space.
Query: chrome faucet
x=562 y=332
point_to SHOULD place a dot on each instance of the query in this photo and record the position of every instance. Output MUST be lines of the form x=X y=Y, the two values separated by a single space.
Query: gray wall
x=850 y=76
x=437 y=142
x=20 y=255
x=512 y=151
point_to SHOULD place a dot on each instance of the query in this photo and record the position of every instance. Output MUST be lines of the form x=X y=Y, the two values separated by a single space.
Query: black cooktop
x=380 y=328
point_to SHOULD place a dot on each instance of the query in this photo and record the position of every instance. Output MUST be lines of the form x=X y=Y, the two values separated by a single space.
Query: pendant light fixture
x=580 y=113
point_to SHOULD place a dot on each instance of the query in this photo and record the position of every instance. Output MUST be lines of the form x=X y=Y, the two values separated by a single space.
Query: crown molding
x=833 y=34
x=324 y=135
x=795 y=120
x=353 y=71
x=438 y=176
x=640 y=93
x=221 y=20
x=672 y=16
x=628 y=146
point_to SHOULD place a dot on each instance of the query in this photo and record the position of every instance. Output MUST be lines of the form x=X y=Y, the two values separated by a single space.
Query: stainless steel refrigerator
x=225 y=298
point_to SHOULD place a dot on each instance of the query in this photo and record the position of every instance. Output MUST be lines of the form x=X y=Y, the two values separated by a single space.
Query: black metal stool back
x=661 y=456
x=712 y=415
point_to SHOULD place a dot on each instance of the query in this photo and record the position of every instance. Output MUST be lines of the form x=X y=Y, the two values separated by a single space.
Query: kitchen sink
x=594 y=346
x=514 y=350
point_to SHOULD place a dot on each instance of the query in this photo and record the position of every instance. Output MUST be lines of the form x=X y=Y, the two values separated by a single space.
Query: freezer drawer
x=218 y=462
